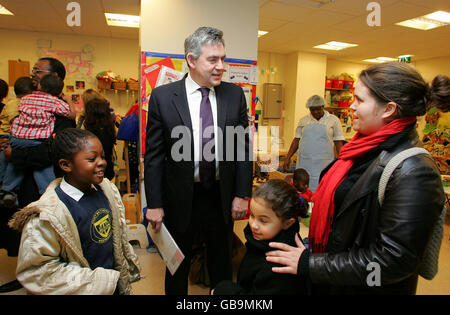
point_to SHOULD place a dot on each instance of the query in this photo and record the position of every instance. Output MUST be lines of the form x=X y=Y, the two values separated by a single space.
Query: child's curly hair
x=282 y=198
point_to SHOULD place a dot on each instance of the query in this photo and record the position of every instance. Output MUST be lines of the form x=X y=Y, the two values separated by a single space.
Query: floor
x=153 y=270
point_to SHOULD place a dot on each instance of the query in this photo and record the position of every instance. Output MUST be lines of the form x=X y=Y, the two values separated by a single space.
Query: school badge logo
x=101 y=226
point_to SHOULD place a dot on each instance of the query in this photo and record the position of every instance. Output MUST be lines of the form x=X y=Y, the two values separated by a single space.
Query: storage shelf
x=335 y=89
x=118 y=90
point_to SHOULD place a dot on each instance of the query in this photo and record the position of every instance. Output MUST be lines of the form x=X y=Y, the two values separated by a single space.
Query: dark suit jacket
x=170 y=183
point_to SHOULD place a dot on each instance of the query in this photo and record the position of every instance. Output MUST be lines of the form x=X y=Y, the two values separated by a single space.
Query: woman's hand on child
x=286 y=255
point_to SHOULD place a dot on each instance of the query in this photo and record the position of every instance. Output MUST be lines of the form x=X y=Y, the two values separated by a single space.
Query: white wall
x=166 y=24
x=432 y=67
x=336 y=67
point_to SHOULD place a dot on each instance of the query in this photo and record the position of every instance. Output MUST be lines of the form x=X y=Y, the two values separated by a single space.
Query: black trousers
x=207 y=218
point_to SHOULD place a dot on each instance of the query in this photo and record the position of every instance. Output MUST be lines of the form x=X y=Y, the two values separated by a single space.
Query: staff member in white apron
x=316 y=136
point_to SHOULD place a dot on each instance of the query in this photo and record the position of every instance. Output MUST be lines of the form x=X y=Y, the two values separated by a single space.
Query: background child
x=74 y=237
x=23 y=86
x=34 y=124
x=274 y=207
x=301 y=183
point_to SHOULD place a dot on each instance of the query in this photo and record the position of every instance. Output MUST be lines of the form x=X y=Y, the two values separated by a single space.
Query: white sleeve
x=299 y=130
x=338 y=133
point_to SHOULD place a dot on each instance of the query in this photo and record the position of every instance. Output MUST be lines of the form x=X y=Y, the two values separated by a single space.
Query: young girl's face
x=87 y=166
x=263 y=221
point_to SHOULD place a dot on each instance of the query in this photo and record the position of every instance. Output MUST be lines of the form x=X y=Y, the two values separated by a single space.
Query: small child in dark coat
x=274 y=207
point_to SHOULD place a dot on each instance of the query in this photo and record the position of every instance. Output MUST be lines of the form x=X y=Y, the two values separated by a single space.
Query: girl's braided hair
x=69 y=142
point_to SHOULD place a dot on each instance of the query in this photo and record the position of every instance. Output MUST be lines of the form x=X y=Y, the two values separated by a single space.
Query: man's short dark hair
x=56 y=66
x=52 y=85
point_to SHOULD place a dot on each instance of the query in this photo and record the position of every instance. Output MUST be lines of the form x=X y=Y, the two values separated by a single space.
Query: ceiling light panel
x=380 y=59
x=5 y=11
x=333 y=45
x=428 y=22
x=122 y=20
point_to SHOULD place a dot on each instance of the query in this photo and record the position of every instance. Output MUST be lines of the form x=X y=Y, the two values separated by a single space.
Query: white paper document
x=169 y=250
x=168 y=75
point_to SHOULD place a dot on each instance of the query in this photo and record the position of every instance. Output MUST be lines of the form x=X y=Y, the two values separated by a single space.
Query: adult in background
x=317 y=134
x=200 y=192
x=39 y=157
x=97 y=119
x=349 y=229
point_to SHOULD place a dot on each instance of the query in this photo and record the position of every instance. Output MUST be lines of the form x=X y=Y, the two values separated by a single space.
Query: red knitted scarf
x=322 y=214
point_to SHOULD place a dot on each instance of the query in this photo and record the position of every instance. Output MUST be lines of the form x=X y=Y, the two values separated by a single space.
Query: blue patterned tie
x=207 y=169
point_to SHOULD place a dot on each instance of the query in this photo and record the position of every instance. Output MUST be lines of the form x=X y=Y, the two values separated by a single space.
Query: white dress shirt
x=71 y=191
x=194 y=97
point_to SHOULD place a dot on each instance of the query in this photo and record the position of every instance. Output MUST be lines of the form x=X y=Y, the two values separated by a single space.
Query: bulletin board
x=160 y=68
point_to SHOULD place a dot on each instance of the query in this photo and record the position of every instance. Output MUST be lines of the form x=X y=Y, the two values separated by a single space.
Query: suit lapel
x=221 y=107
x=181 y=103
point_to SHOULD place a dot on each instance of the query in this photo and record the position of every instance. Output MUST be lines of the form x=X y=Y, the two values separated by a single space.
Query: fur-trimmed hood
x=20 y=218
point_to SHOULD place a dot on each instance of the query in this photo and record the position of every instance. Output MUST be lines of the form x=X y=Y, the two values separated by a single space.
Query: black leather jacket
x=394 y=236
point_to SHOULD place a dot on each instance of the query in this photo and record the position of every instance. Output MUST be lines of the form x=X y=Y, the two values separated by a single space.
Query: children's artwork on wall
x=70 y=89
x=77 y=103
x=436 y=138
x=80 y=85
x=72 y=61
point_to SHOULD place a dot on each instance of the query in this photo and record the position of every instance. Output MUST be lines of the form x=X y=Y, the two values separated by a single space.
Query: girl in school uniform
x=74 y=237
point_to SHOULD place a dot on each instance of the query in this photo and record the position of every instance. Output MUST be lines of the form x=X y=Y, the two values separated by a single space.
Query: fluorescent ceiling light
x=420 y=24
x=380 y=59
x=5 y=11
x=261 y=33
x=428 y=22
x=122 y=20
x=335 y=46
x=440 y=16
x=308 y=3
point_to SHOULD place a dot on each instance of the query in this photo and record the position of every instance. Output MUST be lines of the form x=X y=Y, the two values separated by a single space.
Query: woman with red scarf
x=351 y=235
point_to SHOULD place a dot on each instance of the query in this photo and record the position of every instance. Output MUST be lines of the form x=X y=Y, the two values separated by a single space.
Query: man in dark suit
x=198 y=173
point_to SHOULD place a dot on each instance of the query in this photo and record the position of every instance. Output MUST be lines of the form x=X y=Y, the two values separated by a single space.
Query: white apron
x=316 y=151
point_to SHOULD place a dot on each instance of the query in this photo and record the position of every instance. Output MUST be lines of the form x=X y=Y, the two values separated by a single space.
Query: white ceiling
x=50 y=16
x=293 y=25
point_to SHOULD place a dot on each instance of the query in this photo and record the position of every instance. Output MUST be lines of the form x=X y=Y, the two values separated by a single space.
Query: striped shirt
x=37 y=115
